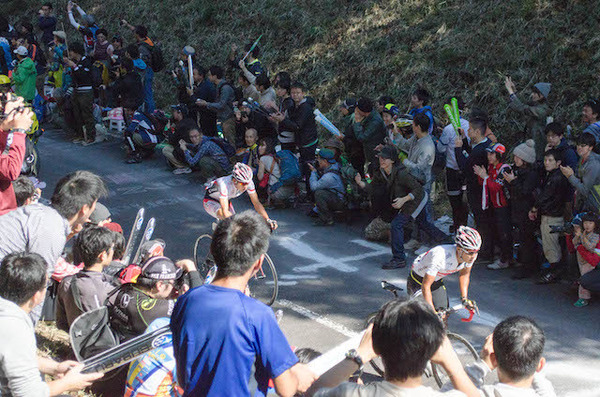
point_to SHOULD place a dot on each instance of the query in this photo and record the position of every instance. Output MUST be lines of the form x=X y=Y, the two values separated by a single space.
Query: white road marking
x=317 y=318
x=299 y=276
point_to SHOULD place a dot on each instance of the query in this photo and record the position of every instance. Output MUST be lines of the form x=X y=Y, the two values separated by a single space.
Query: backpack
x=225 y=146
x=91 y=333
x=289 y=168
x=157 y=60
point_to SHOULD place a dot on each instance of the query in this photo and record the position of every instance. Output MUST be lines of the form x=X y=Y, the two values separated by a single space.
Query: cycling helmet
x=242 y=173
x=468 y=238
x=4 y=79
x=391 y=109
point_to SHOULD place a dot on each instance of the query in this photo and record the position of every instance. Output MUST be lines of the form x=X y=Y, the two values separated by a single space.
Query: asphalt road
x=329 y=277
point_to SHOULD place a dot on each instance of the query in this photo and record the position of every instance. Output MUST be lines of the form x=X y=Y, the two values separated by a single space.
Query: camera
x=567 y=228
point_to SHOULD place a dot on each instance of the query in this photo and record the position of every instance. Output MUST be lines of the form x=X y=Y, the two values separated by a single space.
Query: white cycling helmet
x=468 y=238
x=242 y=173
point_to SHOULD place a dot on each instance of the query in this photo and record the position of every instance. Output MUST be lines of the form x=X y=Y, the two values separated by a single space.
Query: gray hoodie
x=588 y=175
x=19 y=372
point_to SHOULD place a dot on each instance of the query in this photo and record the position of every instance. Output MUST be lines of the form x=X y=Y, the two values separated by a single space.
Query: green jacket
x=370 y=132
x=24 y=79
x=536 y=122
x=400 y=183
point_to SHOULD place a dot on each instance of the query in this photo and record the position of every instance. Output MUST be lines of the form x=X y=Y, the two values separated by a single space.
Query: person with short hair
x=591 y=119
x=204 y=155
x=87 y=29
x=419 y=103
x=515 y=350
x=238 y=346
x=23 y=281
x=587 y=176
x=89 y=288
x=248 y=89
x=585 y=241
x=128 y=90
x=267 y=96
x=145 y=46
x=181 y=125
x=368 y=128
x=421 y=151
x=549 y=208
x=252 y=66
x=47 y=23
x=249 y=154
x=25 y=191
x=83 y=94
x=142 y=133
x=536 y=112
x=223 y=104
x=328 y=187
x=555 y=139
x=408 y=200
x=45 y=229
x=405 y=357
x=468 y=154
x=205 y=90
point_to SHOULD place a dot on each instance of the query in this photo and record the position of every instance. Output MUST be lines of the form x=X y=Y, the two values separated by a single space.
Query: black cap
x=388 y=152
x=180 y=107
x=365 y=105
x=160 y=268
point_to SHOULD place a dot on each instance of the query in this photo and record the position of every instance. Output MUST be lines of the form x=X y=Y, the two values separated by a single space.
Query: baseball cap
x=180 y=107
x=391 y=109
x=327 y=154
x=388 y=152
x=286 y=137
x=349 y=103
x=21 y=51
x=152 y=248
x=160 y=268
x=497 y=147
x=101 y=213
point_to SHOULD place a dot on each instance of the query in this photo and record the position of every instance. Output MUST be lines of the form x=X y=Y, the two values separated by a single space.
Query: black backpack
x=91 y=333
x=225 y=146
x=157 y=60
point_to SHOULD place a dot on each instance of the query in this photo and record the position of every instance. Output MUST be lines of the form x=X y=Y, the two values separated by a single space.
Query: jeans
x=398 y=223
x=327 y=202
x=307 y=155
x=148 y=93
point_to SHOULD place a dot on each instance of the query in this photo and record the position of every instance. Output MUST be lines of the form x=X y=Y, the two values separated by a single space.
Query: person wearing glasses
x=430 y=268
x=217 y=200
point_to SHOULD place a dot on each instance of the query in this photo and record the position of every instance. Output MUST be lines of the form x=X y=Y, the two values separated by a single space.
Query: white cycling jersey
x=224 y=188
x=439 y=261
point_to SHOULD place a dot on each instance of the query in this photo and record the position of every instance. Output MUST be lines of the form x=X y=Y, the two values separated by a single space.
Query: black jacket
x=522 y=193
x=553 y=194
x=129 y=90
x=476 y=156
x=301 y=121
x=82 y=74
x=399 y=184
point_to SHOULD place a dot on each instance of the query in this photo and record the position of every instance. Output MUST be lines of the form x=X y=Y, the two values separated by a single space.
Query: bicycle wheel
x=466 y=354
x=202 y=257
x=263 y=286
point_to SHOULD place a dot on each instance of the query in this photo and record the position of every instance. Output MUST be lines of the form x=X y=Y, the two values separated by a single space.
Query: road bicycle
x=263 y=286
x=464 y=350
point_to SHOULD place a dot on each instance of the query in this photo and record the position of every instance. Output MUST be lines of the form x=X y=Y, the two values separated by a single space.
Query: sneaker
x=412 y=245
x=135 y=159
x=547 y=278
x=89 y=142
x=77 y=140
x=321 y=222
x=581 y=302
x=179 y=171
x=498 y=265
x=394 y=264
x=422 y=250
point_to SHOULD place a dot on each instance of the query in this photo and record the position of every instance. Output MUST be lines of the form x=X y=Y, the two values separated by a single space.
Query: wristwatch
x=353 y=355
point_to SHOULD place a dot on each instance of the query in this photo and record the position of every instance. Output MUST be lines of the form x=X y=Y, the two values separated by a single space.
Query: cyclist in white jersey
x=217 y=200
x=429 y=269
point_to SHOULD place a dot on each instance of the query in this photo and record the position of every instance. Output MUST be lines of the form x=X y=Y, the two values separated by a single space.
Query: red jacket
x=493 y=187
x=590 y=257
x=11 y=160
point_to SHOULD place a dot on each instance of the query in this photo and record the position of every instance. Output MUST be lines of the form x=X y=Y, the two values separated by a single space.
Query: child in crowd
x=585 y=241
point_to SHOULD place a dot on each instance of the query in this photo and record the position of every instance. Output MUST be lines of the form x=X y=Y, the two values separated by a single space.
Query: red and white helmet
x=242 y=173
x=468 y=238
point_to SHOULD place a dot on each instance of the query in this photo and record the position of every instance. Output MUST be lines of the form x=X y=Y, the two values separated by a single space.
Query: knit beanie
x=365 y=105
x=543 y=88
x=526 y=151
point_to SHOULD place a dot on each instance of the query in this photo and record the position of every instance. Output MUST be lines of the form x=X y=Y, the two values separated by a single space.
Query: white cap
x=21 y=51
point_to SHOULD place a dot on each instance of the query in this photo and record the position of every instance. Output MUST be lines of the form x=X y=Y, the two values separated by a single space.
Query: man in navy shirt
x=225 y=342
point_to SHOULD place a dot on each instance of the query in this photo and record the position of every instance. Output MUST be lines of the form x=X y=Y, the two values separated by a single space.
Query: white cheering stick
x=189 y=51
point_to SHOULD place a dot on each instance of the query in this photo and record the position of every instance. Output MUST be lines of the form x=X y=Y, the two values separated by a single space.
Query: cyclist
x=217 y=201
x=429 y=269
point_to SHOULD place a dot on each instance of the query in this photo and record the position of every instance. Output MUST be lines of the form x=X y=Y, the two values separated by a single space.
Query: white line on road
x=317 y=318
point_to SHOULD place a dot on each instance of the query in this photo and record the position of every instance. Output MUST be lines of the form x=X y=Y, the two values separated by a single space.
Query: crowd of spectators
x=547 y=186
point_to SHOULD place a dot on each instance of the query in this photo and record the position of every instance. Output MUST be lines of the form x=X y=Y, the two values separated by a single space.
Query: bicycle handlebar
x=458 y=307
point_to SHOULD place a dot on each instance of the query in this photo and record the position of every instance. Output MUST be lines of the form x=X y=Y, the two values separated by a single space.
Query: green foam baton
x=252 y=48
x=455 y=121
x=454 y=103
